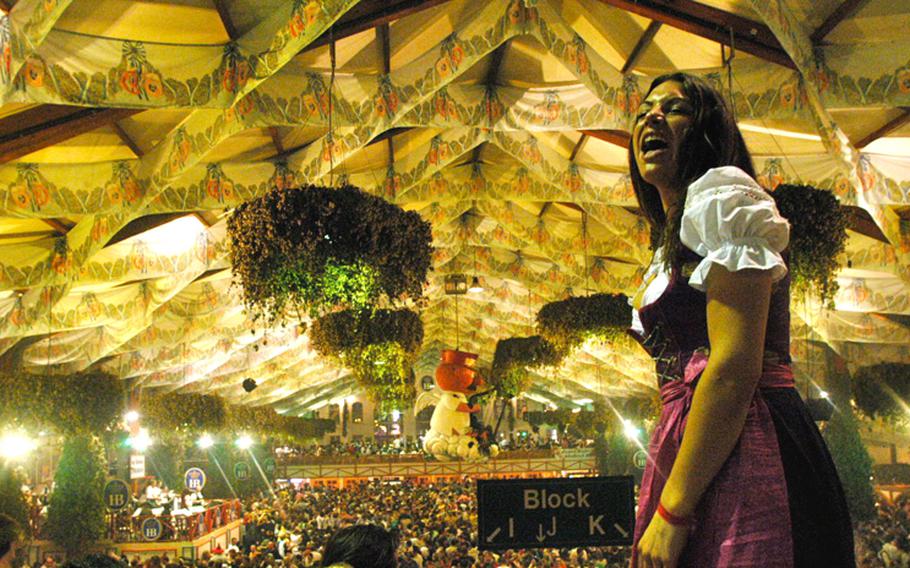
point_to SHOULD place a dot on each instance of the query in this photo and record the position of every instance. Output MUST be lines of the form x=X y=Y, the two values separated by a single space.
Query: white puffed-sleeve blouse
x=728 y=219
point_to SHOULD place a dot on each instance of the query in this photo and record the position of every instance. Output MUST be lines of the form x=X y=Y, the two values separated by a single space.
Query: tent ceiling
x=114 y=165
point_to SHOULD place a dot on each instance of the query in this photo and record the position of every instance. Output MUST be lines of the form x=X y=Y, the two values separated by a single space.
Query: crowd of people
x=884 y=541
x=409 y=446
x=436 y=526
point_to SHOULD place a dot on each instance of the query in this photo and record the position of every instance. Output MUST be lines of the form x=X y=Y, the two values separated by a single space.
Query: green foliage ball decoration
x=264 y=420
x=853 y=463
x=12 y=500
x=183 y=412
x=877 y=388
x=568 y=323
x=379 y=347
x=70 y=404
x=818 y=235
x=75 y=519
x=515 y=357
x=312 y=249
x=189 y=414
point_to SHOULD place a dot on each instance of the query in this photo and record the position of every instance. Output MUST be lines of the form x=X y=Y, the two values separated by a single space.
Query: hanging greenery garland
x=188 y=413
x=515 y=357
x=877 y=389
x=568 y=323
x=379 y=347
x=69 y=404
x=818 y=235
x=264 y=420
x=312 y=249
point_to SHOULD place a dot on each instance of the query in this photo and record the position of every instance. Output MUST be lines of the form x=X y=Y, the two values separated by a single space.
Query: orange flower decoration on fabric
x=21 y=197
x=903 y=80
x=115 y=194
x=296 y=25
x=444 y=67
x=151 y=83
x=34 y=72
x=129 y=81
x=312 y=12
x=40 y=195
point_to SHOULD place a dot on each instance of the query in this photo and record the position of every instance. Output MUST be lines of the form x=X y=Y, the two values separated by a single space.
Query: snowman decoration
x=451 y=435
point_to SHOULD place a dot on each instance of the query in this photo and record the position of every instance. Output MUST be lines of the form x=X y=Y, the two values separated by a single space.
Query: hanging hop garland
x=313 y=249
x=379 y=347
x=877 y=389
x=84 y=403
x=568 y=323
x=818 y=235
x=513 y=359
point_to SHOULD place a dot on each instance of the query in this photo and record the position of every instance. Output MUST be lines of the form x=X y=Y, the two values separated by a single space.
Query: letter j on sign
x=555 y=513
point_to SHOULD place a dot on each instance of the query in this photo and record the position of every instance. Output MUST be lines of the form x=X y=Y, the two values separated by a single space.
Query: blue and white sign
x=194 y=479
x=152 y=529
x=116 y=494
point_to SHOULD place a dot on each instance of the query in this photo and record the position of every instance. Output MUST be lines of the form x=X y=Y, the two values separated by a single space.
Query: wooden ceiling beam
x=40 y=135
x=127 y=139
x=643 y=42
x=382 y=32
x=369 y=14
x=276 y=139
x=618 y=137
x=61 y=226
x=711 y=23
x=496 y=64
x=578 y=146
x=226 y=19
x=846 y=9
x=888 y=128
x=860 y=221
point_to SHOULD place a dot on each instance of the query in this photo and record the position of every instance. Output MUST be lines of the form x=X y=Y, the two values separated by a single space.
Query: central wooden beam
x=888 y=128
x=643 y=42
x=578 y=146
x=35 y=135
x=369 y=14
x=711 y=23
x=618 y=137
x=841 y=13
x=860 y=221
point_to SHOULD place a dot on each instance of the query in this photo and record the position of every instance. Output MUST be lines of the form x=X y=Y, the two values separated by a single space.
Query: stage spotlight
x=249 y=385
x=630 y=430
x=244 y=442
x=141 y=442
x=205 y=442
x=16 y=445
x=131 y=416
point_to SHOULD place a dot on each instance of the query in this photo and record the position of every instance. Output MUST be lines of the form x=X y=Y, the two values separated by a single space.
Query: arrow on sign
x=622 y=531
x=552 y=532
x=493 y=534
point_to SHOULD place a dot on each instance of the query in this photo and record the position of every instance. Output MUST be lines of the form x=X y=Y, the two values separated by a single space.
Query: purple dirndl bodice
x=743 y=517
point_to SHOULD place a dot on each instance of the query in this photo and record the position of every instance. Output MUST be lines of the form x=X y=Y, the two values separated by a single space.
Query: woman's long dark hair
x=713 y=140
x=362 y=546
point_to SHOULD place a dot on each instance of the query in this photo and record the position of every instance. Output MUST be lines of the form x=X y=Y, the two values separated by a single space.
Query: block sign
x=194 y=479
x=555 y=513
x=152 y=529
x=116 y=494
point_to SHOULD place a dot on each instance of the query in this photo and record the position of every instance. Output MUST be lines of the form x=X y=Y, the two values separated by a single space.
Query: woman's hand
x=661 y=544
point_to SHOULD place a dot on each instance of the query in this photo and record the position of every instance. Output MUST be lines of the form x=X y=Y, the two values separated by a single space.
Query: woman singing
x=738 y=474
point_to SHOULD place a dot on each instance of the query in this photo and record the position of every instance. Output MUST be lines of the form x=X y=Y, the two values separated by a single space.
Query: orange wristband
x=673 y=519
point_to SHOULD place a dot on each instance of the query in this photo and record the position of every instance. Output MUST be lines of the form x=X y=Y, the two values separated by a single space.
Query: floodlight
x=630 y=430
x=205 y=442
x=16 y=445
